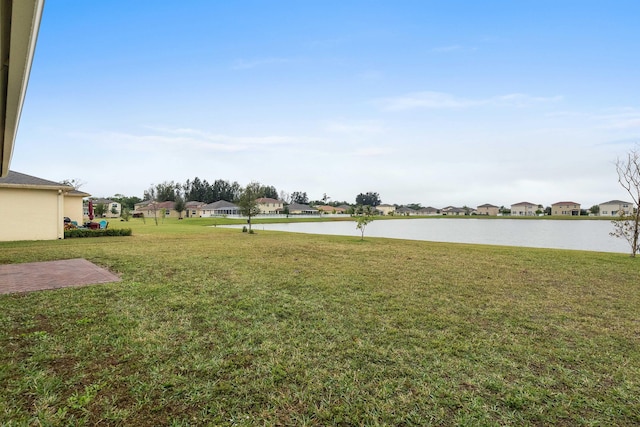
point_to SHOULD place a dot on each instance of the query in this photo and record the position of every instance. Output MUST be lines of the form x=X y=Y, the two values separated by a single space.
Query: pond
x=589 y=235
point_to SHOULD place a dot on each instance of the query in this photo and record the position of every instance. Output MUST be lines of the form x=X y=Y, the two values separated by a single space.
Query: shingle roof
x=616 y=202
x=18 y=179
x=218 y=205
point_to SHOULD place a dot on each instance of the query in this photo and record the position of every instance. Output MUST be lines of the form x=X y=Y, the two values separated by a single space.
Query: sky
x=432 y=102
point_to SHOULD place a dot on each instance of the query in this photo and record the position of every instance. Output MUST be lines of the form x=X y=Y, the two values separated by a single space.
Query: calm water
x=581 y=234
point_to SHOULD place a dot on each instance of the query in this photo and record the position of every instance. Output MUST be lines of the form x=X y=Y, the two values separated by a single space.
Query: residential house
x=327 y=209
x=193 y=209
x=405 y=211
x=565 y=209
x=386 y=209
x=151 y=209
x=525 y=209
x=112 y=208
x=488 y=209
x=452 y=210
x=220 y=208
x=270 y=206
x=33 y=208
x=428 y=211
x=300 y=209
x=614 y=207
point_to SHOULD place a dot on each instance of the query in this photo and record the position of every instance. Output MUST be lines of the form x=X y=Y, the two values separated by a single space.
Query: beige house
x=151 y=209
x=429 y=210
x=614 y=207
x=269 y=206
x=386 y=209
x=300 y=209
x=193 y=209
x=34 y=209
x=113 y=209
x=565 y=209
x=488 y=209
x=328 y=209
x=525 y=209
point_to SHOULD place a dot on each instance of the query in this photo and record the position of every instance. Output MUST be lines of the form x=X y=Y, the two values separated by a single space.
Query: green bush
x=86 y=232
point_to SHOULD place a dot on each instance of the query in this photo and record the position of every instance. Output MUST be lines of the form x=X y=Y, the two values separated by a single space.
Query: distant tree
x=504 y=211
x=368 y=199
x=151 y=196
x=299 y=197
x=247 y=201
x=414 y=206
x=627 y=226
x=285 y=197
x=166 y=191
x=74 y=182
x=100 y=209
x=268 y=191
x=547 y=210
x=325 y=198
x=364 y=219
x=125 y=213
x=595 y=209
x=114 y=211
x=179 y=205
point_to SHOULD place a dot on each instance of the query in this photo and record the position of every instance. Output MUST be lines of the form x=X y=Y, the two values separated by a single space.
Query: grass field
x=211 y=326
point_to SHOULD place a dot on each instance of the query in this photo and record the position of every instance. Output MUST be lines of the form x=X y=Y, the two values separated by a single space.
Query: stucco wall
x=73 y=208
x=30 y=214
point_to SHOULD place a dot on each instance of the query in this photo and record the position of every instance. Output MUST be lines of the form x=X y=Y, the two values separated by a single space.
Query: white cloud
x=365 y=126
x=440 y=100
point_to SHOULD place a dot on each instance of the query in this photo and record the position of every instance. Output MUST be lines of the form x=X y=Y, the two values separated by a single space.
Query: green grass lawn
x=211 y=326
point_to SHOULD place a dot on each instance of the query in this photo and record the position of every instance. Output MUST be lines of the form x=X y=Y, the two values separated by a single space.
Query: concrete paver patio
x=36 y=276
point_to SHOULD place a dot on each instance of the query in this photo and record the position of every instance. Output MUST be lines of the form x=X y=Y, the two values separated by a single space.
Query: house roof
x=487 y=205
x=17 y=179
x=300 y=207
x=524 y=203
x=428 y=209
x=193 y=204
x=263 y=200
x=220 y=204
x=565 y=203
x=329 y=208
x=405 y=209
x=616 y=202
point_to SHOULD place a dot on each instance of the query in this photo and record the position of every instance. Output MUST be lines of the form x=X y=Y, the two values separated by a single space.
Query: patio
x=37 y=276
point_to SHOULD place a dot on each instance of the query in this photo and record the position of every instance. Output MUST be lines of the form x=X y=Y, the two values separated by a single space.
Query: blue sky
x=438 y=103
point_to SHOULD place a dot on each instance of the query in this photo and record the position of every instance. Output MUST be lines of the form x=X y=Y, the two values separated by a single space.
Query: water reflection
x=590 y=235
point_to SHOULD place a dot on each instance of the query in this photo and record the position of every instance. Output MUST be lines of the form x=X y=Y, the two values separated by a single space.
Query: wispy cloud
x=243 y=64
x=444 y=49
x=439 y=100
x=372 y=152
x=627 y=118
x=365 y=126
x=192 y=139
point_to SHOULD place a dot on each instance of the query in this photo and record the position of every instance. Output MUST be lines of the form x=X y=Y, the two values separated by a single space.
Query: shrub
x=86 y=232
x=244 y=228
